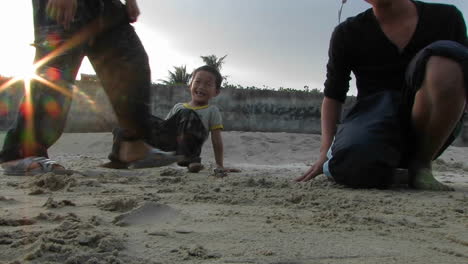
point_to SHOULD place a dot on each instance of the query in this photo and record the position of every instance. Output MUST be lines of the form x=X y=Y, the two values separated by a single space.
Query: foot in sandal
x=33 y=165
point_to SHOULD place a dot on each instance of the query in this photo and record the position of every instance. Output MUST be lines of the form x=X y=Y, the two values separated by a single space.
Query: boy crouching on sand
x=188 y=125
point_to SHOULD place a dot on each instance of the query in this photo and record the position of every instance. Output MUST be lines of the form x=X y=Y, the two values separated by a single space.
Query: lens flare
x=4 y=108
x=54 y=86
x=29 y=145
x=53 y=40
x=84 y=97
x=52 y=108
x=52 y=78
x=53 y=74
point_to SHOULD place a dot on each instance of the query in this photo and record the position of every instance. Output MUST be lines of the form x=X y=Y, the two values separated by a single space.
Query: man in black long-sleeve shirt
x=398 y=46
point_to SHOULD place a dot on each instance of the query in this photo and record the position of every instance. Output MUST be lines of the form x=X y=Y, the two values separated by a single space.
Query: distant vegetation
x=178 y=76
x=214 y=61
x=181 y=77
x=306 y=90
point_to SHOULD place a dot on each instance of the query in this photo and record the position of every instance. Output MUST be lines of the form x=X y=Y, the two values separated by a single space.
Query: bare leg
x=121 y=63
x=438 y=106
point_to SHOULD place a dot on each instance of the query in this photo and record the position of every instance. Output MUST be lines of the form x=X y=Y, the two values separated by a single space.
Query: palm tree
x=214 y=61
x=179 y=76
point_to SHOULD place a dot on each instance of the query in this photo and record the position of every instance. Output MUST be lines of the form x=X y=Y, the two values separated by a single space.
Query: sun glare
x=27 y=74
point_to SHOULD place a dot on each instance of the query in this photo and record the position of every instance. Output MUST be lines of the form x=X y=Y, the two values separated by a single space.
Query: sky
x=269 y=43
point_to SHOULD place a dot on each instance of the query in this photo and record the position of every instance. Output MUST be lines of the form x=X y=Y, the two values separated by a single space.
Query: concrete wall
x=90 y=110
x=252 y=110
x=242 y=109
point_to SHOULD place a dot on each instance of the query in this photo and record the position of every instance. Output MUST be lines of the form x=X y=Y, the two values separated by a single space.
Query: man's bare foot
x=133 y=150
x=423 y=179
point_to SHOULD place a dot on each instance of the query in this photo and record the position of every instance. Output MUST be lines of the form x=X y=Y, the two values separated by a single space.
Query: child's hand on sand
x=62 y=11
x=221 y=172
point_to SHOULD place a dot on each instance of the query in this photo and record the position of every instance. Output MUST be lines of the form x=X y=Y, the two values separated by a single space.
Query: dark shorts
x=374 y=137
x=183 y=133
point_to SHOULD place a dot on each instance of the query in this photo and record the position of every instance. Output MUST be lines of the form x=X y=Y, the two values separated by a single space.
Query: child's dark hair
x=212 y=70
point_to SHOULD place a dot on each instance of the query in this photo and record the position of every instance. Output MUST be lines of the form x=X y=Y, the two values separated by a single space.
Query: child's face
x=203 y=88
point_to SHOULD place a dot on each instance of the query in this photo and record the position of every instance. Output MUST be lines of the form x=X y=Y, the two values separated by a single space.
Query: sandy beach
x=168 y=215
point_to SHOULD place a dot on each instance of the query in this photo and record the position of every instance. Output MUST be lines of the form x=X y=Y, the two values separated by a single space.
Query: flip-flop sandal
x=155 y=158
x=45 y=165
x=115 y=164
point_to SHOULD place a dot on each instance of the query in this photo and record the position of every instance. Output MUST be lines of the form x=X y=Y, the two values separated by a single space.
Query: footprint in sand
x=7 y=200
x=147 y=213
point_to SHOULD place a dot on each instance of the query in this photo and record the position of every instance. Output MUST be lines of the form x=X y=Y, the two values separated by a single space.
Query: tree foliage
x=214 y=61
x=178 y=76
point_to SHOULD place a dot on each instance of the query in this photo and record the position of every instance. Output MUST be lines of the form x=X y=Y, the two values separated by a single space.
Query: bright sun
x=27 y=72
x=16 y=52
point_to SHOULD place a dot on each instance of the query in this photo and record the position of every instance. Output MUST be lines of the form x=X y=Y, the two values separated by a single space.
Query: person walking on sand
x=66 y=31
x=410 y=60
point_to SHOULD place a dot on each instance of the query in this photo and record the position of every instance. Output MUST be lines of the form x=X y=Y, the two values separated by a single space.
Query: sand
x=168 y=215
